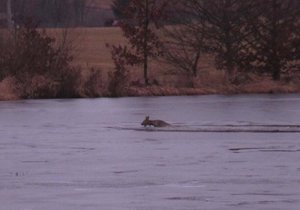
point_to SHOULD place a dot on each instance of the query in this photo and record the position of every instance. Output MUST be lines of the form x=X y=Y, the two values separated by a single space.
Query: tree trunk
x=145 y=47
x=276 y=75
x=9 y=14
x=275 y=68
x=274 y=59
x=195 y=64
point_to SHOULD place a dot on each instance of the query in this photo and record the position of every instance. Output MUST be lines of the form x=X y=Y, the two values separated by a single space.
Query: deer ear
x=147 y=117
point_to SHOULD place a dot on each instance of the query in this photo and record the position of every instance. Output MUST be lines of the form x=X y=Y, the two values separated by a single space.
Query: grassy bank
x=90 y=52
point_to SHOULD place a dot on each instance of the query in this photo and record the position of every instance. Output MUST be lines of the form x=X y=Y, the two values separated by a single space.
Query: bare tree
x=241 y=34
x=181 y=51
x=184 y=44
x=276 y=36
x=217 y=27
x=142 y=17
x=222 y=24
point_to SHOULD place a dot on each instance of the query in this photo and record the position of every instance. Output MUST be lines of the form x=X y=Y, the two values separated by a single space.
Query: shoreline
x=261 y=87
x=257 y=87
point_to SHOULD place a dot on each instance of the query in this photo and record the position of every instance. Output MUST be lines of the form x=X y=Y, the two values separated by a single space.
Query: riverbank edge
x=258 y=87
x=224 y=90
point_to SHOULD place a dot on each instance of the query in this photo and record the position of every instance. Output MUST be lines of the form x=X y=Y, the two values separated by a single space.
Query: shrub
x=118 y=83
x=93 y=85
x=119 y=79
x=40 y=68
x=68 y=83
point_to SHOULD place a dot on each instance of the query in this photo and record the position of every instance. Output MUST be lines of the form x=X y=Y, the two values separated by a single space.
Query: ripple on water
x=218 y=128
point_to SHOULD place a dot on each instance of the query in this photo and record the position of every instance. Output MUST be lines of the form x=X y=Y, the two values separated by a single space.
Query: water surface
x=222 y=152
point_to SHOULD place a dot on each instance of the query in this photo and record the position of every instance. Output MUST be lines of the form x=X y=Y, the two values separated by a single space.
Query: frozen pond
x=222 y=152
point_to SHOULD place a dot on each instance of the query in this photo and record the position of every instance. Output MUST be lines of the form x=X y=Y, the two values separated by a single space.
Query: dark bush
x=119 y=78
x=93 y=85
x=118 y=83
x=41 y=69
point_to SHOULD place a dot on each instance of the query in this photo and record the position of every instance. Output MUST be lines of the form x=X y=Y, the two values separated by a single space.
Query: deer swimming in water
x=155 y=123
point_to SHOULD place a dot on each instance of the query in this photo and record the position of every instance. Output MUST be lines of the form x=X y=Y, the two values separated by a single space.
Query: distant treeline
x=59 y=13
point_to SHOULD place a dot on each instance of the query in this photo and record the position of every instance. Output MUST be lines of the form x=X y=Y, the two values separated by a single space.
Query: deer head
x=146 y=121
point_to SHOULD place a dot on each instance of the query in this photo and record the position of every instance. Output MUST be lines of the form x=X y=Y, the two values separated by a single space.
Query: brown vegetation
x=96 y=63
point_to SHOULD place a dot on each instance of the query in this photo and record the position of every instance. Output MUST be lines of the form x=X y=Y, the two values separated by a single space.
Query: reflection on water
x=221 y=152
